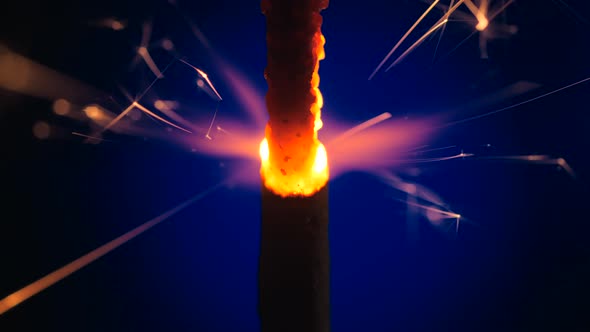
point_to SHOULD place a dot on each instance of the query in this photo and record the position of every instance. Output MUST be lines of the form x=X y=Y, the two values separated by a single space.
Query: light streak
x=435 y=149
x=442 y=32
x=94 y=138
x=447 y=214
x=517 y=104
x=536 y=159
x=432 y=160
x=145 y=55
x=212 y=121
x=52 y=278
x=358 y=128
x=147 y=111
x=204 y=76
x=417 y=43
x=403 y=38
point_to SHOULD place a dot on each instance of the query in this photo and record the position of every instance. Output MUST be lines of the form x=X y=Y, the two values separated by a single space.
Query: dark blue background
x=525 y=266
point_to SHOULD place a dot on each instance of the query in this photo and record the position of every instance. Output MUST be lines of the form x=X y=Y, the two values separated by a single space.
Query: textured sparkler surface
x=294 y=161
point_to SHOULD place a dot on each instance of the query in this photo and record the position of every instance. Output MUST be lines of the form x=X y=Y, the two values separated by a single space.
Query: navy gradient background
x=525 y=267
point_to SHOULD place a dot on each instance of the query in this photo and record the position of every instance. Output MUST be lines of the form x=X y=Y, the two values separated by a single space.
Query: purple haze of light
x=375 y=147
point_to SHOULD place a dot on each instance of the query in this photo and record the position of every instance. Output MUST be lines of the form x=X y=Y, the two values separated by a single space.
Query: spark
x=365 y=125
x=442 y=32
x=479 y=13
x=432 y=160
x=447 y=214
x=403 y=38
x=537 y=159
x=118 y=118
x=517 y=104
x=435 y=149
x=52 y=278
x=212 y=121
x=412 y=189
x=75 y=133
x=145 y=55
x=205 y=77
x=148 y=112
x=109 y=23
x=417 y=43
x=224 y=131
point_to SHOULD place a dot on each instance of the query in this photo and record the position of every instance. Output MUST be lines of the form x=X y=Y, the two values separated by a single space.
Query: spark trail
x=52 y=278
x=517 y=104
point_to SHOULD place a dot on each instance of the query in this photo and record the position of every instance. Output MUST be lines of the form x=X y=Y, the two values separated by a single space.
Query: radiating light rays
x=482 y=23
x=402 y=39
x=368 y=146
x=52 y=278
x=437 y=25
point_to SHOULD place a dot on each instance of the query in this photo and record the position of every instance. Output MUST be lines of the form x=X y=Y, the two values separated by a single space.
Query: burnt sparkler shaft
x=294 y=263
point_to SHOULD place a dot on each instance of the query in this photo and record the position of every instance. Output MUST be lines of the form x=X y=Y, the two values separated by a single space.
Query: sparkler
x=294 y=257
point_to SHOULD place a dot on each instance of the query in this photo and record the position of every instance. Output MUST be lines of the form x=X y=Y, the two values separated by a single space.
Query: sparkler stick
x=294 y=255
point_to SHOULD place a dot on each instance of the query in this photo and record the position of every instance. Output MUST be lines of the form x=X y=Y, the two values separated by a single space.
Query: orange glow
x=482 y=23
x=41 y=130
x=313 y=174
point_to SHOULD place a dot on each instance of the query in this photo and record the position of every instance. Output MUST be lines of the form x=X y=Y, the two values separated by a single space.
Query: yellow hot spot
x=306 y=182
x=314 y=174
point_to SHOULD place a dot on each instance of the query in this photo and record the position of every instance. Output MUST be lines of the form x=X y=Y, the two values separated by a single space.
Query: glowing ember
x=294 y=161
